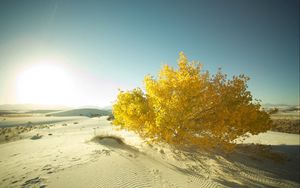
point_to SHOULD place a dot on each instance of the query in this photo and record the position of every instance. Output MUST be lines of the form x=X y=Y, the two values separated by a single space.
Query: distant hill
x=31 y=107
x=107 y=107
x=89 y=112
x=281 y=107
x=41 y=111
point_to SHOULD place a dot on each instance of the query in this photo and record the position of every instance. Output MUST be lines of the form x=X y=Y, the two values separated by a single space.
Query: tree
x=187 y=106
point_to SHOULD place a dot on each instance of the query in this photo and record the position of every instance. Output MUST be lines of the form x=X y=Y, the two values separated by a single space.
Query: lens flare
x=44 y=84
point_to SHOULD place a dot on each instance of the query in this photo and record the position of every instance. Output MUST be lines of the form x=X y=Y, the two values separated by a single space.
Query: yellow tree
x=186 y=106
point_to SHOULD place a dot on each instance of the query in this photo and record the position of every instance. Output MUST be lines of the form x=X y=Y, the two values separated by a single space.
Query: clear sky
x=96 y=47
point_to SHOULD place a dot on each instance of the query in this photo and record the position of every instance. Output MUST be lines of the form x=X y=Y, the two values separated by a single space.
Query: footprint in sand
x=16 y=181
x=47 y=167
x=132 y=155
x=37 y=181
x=76 y=159
x=36 y=137
x=103 y=151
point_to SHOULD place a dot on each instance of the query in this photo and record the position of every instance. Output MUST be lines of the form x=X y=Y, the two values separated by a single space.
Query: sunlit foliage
x=187 y=106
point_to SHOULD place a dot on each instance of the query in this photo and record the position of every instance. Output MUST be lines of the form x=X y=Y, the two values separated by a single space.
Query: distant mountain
x=30 y=107
x=107 y=107
x=40 y=111
x=89 y=112
x=279 y=106
x=89 y=106
x=283 y=109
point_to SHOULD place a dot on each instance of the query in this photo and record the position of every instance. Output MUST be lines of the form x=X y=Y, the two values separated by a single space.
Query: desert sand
x=73 y=153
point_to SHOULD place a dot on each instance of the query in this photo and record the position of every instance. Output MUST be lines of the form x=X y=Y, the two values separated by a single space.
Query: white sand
x=68 y=158
x=274 y=138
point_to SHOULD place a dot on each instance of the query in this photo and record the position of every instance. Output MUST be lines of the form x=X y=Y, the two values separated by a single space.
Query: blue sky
x=106 y=45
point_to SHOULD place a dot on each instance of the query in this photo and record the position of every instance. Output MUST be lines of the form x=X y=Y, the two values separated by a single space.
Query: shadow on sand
x=247 y=166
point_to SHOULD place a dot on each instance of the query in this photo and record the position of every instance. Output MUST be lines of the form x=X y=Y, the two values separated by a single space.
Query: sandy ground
x=64 y=155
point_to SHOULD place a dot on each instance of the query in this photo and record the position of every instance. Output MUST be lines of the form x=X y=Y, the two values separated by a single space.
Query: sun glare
x=44 y=84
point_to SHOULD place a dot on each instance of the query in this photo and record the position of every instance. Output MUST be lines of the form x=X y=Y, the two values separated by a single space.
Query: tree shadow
x=248 y=166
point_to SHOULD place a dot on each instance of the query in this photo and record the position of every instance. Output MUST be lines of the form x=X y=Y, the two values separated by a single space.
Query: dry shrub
x=110 y=117
x=286 y=125
x=187 y=106
x=117 y=139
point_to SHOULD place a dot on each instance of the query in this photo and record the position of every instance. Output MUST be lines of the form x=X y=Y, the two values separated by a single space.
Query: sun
x=45 y=83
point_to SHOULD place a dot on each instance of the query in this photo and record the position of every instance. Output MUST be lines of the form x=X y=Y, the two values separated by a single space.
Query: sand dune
x=86 y=154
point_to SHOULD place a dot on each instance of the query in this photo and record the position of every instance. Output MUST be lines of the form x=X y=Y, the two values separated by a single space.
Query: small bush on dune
x=110 y=117
x=187 y=106
x=273 y=111
x=108 y=137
